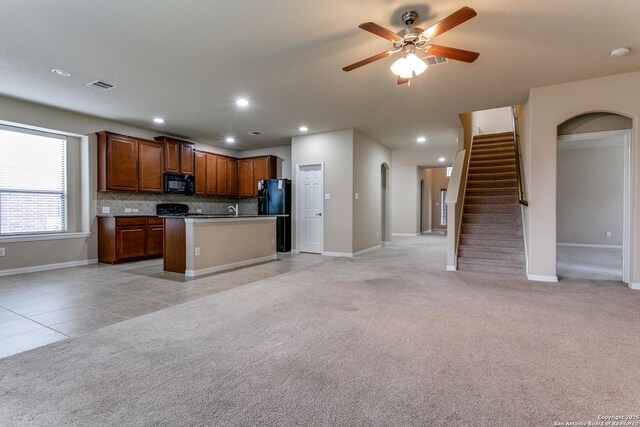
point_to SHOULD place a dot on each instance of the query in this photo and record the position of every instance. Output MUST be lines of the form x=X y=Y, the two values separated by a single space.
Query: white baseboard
x=582 y=245
x=337 y=254
x=386 y=243
x=215 y=269
x=45 y=267
x=452 y=268
x=405 y=234
x=364 y=251
x=634 y=286
x=541 y=278
x=427 y=231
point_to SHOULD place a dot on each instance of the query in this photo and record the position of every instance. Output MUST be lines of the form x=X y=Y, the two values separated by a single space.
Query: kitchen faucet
x=233 y=210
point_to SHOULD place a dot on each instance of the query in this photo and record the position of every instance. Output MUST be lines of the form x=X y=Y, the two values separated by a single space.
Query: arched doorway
x=593 y=208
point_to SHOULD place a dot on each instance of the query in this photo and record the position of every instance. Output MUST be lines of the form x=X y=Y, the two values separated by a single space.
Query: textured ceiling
x=188 y=60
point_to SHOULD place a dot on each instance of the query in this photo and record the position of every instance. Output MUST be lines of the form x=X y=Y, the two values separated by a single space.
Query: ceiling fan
x=412 y=39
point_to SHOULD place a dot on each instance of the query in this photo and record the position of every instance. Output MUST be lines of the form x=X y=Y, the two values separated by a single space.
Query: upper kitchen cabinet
x=117 y=162
x=221 y=175
x=212 y=175
x=179 y=155
x=251 y=169
x=150 y=166
x=129 y=164
x=245 y=178
x=200 y=169
x=232 y=177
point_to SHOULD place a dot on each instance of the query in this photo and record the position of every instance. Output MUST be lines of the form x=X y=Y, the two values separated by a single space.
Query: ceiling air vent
x=255 y=133
x=100 y=85
x=435 y=60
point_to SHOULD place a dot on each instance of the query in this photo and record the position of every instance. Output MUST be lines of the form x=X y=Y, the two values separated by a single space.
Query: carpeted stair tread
x=490 y=266
x=492 y=191
x=492 y=183
x=474 y=218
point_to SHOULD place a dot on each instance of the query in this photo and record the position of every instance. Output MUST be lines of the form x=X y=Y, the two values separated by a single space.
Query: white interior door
x=310 y=195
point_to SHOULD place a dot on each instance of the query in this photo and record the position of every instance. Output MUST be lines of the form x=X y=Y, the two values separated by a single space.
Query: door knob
x=319 y=214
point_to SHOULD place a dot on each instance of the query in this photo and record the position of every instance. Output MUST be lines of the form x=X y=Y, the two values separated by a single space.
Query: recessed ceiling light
x=620 y=51
x=159 y=120
x=441 y=159
x=303 y=128
x=230 y=140
x=421 y=139
x=242 y=102
x=61 y=72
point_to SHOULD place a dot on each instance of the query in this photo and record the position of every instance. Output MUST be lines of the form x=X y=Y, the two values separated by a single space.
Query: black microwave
x=175 y=183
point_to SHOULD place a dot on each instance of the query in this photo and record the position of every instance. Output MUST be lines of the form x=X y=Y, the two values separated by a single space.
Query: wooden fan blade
x=402 y=80
x=368 y=60
x=452 y=53
x=376 y=29
x=451 y=21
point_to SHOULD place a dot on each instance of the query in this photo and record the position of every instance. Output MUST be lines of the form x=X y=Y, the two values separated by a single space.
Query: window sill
x=38 y=237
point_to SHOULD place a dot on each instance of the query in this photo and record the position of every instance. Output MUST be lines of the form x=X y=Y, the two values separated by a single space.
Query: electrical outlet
x=357 y=196
x=197 y=251
x=273 y=242
x=2 y=252
x=127 y=210
x=607 y=234
x=377 y=234
x=198 y=210
x=106 y=209
x=134 y=210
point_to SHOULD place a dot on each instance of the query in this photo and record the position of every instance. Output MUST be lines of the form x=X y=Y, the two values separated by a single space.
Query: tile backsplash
x=145 y=203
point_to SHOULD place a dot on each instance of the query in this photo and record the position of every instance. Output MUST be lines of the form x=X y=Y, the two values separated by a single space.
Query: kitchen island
x=198 y=245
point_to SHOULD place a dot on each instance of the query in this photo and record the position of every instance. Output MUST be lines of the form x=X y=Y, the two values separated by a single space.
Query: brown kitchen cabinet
x=200 y=172
x=117 y=162
x=129 y=164
x=251 y=169
x=245 y=178
x=221 y=175
x=212 y=175
x=179 y=155
x=122 y=239
x=150 y=166
x=232 y=177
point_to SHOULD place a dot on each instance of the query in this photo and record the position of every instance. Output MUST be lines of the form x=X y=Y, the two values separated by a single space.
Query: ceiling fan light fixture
x=408 y=66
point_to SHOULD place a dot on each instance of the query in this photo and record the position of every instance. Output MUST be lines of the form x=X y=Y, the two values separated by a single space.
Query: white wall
x=335 y=149
x=590 y=193
x=547 y=108
x=405 y=200
x=284 y=158
x=368 y=157
x=495 y=120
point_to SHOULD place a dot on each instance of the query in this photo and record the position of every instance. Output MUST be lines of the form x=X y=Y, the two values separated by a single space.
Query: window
x=449 y=169
x=33 y=187
x=443 y=207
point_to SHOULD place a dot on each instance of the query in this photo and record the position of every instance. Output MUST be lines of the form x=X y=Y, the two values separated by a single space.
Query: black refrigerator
x=274 y=198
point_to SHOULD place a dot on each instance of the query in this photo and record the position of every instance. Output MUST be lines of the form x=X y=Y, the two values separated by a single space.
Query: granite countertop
x=124 y=215
x=186 y=216
x=206 y=216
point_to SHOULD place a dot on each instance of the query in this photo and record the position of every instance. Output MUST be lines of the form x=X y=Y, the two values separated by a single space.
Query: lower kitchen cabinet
x=122 y=239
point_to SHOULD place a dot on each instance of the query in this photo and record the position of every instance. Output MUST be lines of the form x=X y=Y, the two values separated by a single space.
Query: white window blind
x=33 y=187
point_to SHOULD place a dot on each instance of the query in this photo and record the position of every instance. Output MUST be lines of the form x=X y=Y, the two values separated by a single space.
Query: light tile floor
x=40 y=308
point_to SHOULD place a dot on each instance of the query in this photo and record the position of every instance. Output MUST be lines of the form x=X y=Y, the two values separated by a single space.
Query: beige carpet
x=388 y=338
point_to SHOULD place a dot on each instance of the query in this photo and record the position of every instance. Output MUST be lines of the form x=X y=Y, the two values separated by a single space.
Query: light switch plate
x=2 y=252
x=198 y=251
x=327 y=196
x=127 y=210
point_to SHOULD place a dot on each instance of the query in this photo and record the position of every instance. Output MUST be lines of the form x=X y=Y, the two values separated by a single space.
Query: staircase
x=491 y=239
